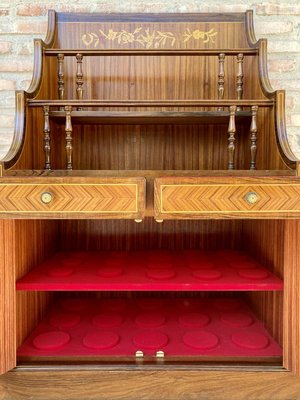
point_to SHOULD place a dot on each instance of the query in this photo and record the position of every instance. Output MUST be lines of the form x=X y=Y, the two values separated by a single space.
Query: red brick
x=276 y=9
x=6 y=121
x=290 y=103
x=4 y=12
x=5 y=47
x=6 y=84
x=26 y=49
x=31 y=10
x=31 y=27
x=281 y=65
x=295 y=120
x=13 y=65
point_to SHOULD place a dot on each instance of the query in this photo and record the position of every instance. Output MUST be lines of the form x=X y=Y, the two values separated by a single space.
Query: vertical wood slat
x=253 y=137
x=291 y=310
x=263 y=239
x=36 y=240
x=47 y=138
x=60 y=76
x=79 y=78
x=221 y=79
x=240 y=78
x=68 y=131
x=7 y=296
x=231 y=137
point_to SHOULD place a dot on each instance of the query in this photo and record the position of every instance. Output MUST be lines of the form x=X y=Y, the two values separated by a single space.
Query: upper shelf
x=147 y=117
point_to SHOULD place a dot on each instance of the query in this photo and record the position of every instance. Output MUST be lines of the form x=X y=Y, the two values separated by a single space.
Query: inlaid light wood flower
x=197 y=34
x=144 y=37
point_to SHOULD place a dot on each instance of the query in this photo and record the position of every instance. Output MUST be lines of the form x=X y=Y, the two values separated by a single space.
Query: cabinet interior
x=73 y=236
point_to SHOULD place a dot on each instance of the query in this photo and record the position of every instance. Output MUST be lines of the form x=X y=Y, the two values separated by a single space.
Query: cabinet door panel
x=215 y=197
x=72 y=198
x=7 y=297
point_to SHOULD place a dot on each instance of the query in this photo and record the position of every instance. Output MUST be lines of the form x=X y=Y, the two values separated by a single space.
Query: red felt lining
x=150 y=271
x=179 y=327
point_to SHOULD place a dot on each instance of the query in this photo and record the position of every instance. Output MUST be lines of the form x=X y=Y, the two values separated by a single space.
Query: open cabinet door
x=7 y=296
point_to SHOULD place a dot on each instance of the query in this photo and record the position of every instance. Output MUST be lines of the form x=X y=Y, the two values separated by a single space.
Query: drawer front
x=196 y=198
x=71 y=198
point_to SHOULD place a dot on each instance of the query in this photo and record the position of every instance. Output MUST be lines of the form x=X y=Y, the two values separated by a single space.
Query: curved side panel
x=37 y=69
x=19 y=132
x=283 y=145
x=281 y=135
x=250 y=35
x=20 y=120
x=261 y=44
x=50 y=35
x=39 y=46
x=263 y=69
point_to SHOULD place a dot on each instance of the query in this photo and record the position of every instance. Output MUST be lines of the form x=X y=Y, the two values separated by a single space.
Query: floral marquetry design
x=197 y=35
x=146 y=37
x=142 y=36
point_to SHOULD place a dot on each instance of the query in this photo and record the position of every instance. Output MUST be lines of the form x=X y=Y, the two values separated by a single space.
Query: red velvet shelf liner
x=179 y=327
x=159 y=270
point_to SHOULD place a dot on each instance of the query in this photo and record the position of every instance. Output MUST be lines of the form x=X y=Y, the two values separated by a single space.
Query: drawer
x=232 y=197
x=72 y=197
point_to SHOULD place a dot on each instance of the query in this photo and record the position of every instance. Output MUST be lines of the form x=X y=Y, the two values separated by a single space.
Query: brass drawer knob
x=251 y=197
x=46 y=197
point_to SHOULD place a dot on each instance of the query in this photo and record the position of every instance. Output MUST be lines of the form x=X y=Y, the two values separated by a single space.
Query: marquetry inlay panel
x=221 y=198
x=97 y=198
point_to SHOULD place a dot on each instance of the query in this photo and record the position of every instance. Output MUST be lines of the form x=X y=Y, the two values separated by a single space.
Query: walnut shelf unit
x=149 y=214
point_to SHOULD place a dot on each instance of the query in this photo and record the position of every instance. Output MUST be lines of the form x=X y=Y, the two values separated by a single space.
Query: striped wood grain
x=35 y=241
x=291 y=314
x=263 y=240
x=72 y=197
x=7 y=296
x=226 y=197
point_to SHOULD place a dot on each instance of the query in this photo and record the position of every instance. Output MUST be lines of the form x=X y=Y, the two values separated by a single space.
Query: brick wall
x=23 y=20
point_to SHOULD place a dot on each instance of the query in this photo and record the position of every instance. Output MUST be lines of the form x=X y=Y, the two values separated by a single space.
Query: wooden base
x=136 y=383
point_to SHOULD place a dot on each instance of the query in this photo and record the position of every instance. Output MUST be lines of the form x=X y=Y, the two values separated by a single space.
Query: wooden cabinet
x=149 y=215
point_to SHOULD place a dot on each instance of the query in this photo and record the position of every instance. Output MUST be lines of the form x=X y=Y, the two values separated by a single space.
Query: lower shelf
x=155 y=270
x=81 y=328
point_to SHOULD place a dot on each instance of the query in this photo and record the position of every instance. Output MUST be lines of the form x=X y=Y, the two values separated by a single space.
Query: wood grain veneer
x=135 y=384
x=263 y=239
x=216 y=197
x=73 y=198
x=291 y=313
x=7 y=297
x=34 y=242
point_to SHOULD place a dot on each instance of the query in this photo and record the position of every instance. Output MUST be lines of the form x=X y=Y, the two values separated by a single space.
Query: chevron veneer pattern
x=124 y=197
x=215 y=197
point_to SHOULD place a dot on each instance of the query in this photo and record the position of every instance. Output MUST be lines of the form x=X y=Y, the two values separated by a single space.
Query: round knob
x=251 y=197
x=46 y=197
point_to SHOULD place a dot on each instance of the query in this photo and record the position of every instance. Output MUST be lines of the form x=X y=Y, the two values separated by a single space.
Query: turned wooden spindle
x=253 y=137
x=47 y=146
x=68 y=130
x=79 y=78
x=221 y=79
x=239 y=78
x=60 y=75
x=231 y=138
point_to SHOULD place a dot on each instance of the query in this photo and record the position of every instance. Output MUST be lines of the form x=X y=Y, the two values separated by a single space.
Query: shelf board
x=149 y=117
x=182 y=327
x=149 y=173
x=150 y=271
